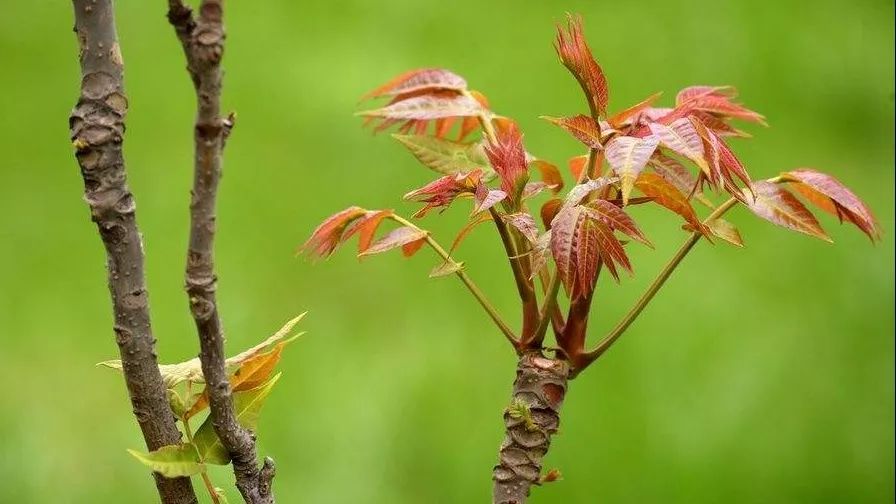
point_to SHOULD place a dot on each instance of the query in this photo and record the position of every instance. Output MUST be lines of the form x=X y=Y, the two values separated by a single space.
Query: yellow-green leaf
x=222 y=497
x=446 y=156
x=446 y=268
x=247 y=406
x=252 y=373
x=172 y=461
x=726 y=231
x=191 y=370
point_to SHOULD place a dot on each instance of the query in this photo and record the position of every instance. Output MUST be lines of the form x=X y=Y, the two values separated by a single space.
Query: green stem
x=205 y=479
x=520 y=270
x=549 y=304
x=588 y=172
x=648 y=295
x=485 y=122
x=471 y=286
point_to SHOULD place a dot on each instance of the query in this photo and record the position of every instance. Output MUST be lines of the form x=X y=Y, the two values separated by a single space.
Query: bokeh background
x=760 y=375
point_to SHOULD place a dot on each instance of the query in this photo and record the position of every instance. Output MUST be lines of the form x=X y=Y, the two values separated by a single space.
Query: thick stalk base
x=531 y=419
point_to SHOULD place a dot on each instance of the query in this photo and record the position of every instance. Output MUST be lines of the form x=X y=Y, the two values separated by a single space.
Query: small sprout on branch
x=520 y=410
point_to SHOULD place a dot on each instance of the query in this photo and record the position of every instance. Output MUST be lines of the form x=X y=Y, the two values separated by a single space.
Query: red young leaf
x=469 y=124
x=427 y=107
x=682 y=138
x=665 y=194
x=692 y=92
x=411 y=248
x=721 y=106
x=582 y=127
x=508 y=158
x=550 y=174
x=723 y=164
x=657 y=114
x=627 y=156
x=576 y=56
x=624 y=117
x=563 y=243
x=541 y=249
x=486 y=198
x=441 y=192
x=579 y=242
x=776 y=205
x=366 y=227
x=524 y=223
x=549 y=211
x=415 y=81
x=328 y=235
x=847 y=204
x=718 y=125
x=616 y=219
x=828 y=205
x=611 y=251
x=577 y=165
x=818 y=199
x=587 y=254
x=675 y=173
x=532 y=189
x=580 y=191
x=443 y=126
x=716 y=101
x=396 y=238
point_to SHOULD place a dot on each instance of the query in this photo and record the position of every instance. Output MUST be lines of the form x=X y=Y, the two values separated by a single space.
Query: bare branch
x=202 y=39
x=97 y=129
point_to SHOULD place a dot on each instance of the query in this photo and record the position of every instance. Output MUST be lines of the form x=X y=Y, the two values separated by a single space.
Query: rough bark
x=202 y=39
x=97 y=130
x=530 y=421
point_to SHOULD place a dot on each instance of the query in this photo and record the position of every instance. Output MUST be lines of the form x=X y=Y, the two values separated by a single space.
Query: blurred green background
x=757 y=376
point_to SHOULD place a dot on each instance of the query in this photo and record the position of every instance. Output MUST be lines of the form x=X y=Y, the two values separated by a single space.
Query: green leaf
x=726 y=231
x=191 y=370
x=172 y=374
x=445 y=269
x=446 y=156
x=172 y=461
x=177 y=403
x=222 y=497
x=246 y=405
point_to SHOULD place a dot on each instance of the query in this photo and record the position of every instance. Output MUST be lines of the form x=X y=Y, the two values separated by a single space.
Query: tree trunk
x=97 y=131
x=531 y=419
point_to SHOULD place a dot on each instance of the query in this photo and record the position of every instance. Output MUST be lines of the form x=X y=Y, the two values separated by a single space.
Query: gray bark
x=97 y=130
x=540 y=386
x=202 y=39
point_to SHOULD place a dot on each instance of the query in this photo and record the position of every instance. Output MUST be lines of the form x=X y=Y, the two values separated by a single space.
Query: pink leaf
x=415 y=81
x=776 y=205
x=524 y=223
x=627 y=156
x=576 y=56
x=427 y=107
x=396 y=238
x=682 y=138
x=847 y=204
x=582 y=127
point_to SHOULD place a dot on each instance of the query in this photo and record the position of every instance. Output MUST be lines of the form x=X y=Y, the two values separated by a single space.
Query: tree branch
x=97 y=129
x=202 y=39
x=608 y=340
